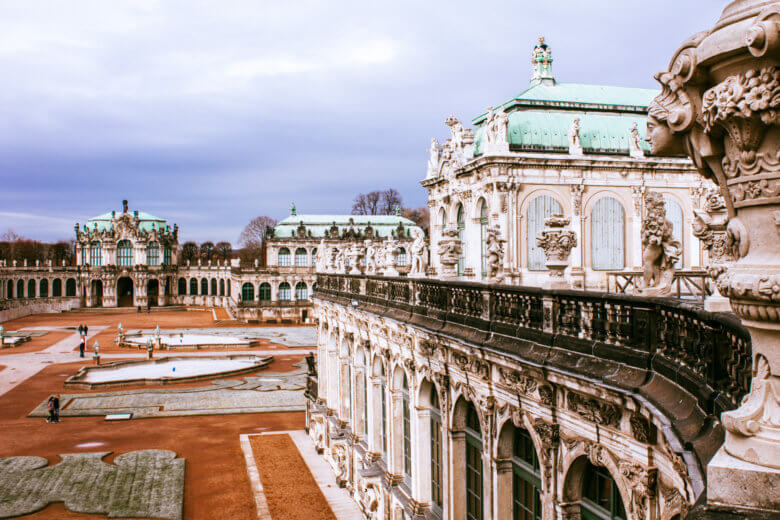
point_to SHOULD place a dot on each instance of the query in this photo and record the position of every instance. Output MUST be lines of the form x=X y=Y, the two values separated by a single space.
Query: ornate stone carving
x=419 y=253
x=450 y=249
x=594 y=410
x=640 y=428
x=638 y=195
x=496 y=127
x=546 y=395
x=434 y=159
x=719 y=103
x=519 y=383
x=660 y=249
x=635 y=143
x=557 y=244
x=576 y=196
x=494 y=246
x=643 y=483
x=471 y=365
x=549 y=434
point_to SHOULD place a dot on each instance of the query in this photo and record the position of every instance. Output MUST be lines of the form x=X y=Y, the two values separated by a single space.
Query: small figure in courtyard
x=81 y=331
x=50 y=409
x=55 y=408
x=82 y=345
x=85 y=332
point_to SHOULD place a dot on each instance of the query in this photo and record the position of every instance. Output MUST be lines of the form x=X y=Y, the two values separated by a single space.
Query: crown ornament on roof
x=541 y=61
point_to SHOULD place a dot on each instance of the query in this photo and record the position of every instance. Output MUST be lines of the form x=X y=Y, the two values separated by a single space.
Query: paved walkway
x=20 y=367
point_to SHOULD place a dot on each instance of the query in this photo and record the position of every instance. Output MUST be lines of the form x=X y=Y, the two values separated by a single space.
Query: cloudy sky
x=211 y=113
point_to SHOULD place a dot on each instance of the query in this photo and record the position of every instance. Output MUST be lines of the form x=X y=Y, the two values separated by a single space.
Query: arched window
x=70 y=287
x=442 y=219
x=314 y=256
x=301 y=291
x=400 y=256
x=284 y=257
x=437 y=490
x=43 y=291
x=539 y=209
x=265 y=292
x=674 y=214
x=153 y=253
x=600 y=496
x=301 y=257
x=473 y=465
x=526 y=478
x=193 y=286
x=204 y=287
x=607 y=235
x=483 y=222
x=407 y=430
x=20 y=289
x=284 y=291
x=247 y=292
x=222 y=287
x=10 y=290
x=182 y=287
x=56 y=288
x=124 y=253
x=213 y=286
x=461 y=223
x=31 y=289
x=167 y=255
x=95 y=254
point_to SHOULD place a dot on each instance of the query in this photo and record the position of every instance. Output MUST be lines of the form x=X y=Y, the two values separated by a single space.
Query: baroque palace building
x=558 y=148
x=131 y=259
x=439 y=398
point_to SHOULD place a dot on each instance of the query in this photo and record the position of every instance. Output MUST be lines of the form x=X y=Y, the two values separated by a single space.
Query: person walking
x=81 y=348
x=81 y=331
x=56 y=402
x=85 y=332
x=50 y=407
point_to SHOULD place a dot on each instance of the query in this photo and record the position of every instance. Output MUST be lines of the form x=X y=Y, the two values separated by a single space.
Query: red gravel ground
x=290 y=489
x=36 y=344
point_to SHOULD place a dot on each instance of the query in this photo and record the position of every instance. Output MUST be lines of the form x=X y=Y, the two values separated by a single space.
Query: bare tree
x=420 y=216
x=376 y=202
x=189 y=251
x=223 y=250
x=389 y=201
x=207 y=250
x=252 y=238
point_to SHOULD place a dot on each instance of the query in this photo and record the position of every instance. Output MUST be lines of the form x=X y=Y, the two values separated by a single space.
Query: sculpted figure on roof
x=434 y=160
x=496 y=125
x=575 y=148
x=370 y=257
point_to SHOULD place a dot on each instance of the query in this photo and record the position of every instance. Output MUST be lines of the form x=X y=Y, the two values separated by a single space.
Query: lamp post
x=96 y=355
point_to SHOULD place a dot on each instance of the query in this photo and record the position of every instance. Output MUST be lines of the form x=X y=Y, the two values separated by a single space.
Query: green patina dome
x=146 y=221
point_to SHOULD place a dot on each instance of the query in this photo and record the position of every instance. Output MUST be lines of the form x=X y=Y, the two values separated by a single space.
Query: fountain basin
x=188 y=340
x=167 y=370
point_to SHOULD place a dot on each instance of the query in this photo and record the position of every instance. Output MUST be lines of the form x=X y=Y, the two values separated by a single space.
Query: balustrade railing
x=709 y=354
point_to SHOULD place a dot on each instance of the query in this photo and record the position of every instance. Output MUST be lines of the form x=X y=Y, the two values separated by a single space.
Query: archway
x=97 y=293
x=152 y=292
x=124 y=292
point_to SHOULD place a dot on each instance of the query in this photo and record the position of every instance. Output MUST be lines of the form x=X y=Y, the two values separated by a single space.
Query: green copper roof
x=146 y=221
x=320 y=224
x=547 y=130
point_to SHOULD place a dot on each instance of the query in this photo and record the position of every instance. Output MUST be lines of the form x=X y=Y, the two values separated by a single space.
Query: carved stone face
x=661 y=139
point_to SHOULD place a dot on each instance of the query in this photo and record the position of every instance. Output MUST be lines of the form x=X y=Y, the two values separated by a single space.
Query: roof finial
x=124 y=206
x=541 y=60
x=292 y=209
x=397 y=210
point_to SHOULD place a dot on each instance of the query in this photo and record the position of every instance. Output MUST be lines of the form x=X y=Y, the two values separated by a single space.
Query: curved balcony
x=690 y=364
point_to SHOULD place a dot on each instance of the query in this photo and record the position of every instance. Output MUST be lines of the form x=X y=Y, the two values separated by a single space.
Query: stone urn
x=557 y=243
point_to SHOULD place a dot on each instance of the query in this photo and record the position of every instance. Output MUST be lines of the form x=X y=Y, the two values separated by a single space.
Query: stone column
x=718 y=104
x=557 y=243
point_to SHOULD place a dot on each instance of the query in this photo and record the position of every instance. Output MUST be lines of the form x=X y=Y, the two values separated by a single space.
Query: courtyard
x=225 y=446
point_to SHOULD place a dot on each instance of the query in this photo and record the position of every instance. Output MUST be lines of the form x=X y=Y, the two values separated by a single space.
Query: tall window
x=526 y=479
x=674 y=214
x=43 y=291
x=483 y=222
x=600 y=496
x=407 y=430
x=70 y=287
x=153 y=253
x=56 y=288
x=284 y=257
x=265 y=292
x=461 y=223
x=607 y=235
x=193 y=286
x=284 y=291
x=124 y=253
x=213 y=286
x=473 y=465
x=400 y=257
x=436 y=455
x=365 y=400
x=383 y=394
x=222 y=287
x=539 y=209
x=314 y=256
x=10 y=290
x=95 y=254
x=301 y=257
x=247 y=292
x=20 y=289
x=301 y=292
x=31 y=289
x=182 y=286
x=167 y=255
x=204 y=287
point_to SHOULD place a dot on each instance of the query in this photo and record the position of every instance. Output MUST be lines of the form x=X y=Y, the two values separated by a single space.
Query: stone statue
x=502 y=130
x=495 y=131
x=660 y=250
x=635 y=143
x=434 y=160
x=340 y=262
x=450 y=249
x=719 y=105
x=494 y=250
x=557 y=243
x=390 y=259
x=709 y=226
x=419 y=253
x=575 y=148
x=370 y=257
x=321 y=258
x=490 y=128
x=459 y=144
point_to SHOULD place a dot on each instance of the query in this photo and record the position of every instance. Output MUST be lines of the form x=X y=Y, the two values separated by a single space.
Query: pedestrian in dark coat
x=81 y=348
x=85 y=331
x=81 y=330
x=50 y=407
x=56 y=402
